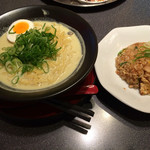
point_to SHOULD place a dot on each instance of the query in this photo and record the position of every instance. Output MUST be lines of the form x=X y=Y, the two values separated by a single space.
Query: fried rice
x=133 y=66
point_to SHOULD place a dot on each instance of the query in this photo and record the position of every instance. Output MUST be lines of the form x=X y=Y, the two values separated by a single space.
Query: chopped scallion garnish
x=10 y=31
x=31 y=49
x=123 y=63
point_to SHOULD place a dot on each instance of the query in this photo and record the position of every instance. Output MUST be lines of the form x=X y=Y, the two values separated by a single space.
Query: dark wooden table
x=115 y=126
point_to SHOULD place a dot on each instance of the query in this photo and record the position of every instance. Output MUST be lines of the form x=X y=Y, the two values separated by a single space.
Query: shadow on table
x=86 y=9
x=120 y=110
x=40 y=125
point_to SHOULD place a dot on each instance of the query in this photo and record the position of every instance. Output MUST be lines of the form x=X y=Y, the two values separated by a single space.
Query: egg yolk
x=21 y=27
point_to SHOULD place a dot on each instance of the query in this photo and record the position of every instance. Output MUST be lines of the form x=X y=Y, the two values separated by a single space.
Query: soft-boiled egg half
x=18 y=27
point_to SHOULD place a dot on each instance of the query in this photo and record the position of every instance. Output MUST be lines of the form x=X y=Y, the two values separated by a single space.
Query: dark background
x=115 y=126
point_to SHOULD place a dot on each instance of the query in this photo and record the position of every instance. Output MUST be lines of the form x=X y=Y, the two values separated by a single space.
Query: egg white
x=12 y=37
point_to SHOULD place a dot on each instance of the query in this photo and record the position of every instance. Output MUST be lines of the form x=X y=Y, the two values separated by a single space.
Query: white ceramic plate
x=111 y=44
x=81 y=3
x=92 y=2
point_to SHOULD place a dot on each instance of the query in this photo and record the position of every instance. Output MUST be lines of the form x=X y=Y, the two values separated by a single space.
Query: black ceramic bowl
x=60 y=15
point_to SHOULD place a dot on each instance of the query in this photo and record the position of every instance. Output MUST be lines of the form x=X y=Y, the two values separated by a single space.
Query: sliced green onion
x=15 y=79
x=123 y=63
x=27 y=68
x=17 y=62
x=10 y=67
x=47 y=29
x=54 y=29
x=10 y=31
x=45 y=67
x=11 y=50
x=20 y=48
x=43 y=26
x=147 y=55
x=135 y=48
x=1 y=64
x=147 y=44
x=120 y=52
x=138 y=58
x=142 y=54
x=4 y=57
x=146 y=51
